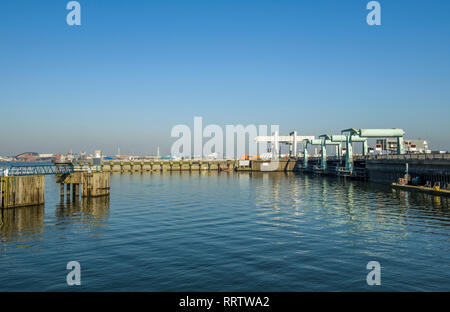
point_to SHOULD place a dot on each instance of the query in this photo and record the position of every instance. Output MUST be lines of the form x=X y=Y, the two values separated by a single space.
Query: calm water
x=229 y=232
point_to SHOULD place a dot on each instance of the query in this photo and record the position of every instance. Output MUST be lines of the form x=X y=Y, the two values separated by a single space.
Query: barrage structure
x=25 y=185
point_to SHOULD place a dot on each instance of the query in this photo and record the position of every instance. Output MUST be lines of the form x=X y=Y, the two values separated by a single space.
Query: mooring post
x=75 y=192
x=68 y=190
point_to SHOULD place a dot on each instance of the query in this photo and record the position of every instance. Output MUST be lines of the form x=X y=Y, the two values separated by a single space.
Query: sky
x=134 y=69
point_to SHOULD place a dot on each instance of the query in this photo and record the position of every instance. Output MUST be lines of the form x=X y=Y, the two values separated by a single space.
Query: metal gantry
x=37 y=170
x=306 y=143
x=326 y=140
x=292 y=140
x=353 y=134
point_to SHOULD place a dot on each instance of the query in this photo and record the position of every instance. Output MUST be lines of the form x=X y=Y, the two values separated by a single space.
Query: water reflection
x=357 y=208
x=29 y=221
x=434 y=205
x=93 y=211
x=22 y=221
x=213 y=231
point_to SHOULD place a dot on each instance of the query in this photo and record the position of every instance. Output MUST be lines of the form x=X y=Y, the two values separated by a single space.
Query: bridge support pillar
x=75 y=191
x=68 y=191
x=61 y=190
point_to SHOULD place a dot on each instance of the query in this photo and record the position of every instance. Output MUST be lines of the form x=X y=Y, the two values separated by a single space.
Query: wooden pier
x=92 y=184
x=29 y=190
x=20 y=191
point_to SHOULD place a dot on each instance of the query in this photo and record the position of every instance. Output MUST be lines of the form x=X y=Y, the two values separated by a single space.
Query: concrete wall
x=380 y=169
x=388 y=170
x=265 y=165
x=20 y=191
x=167 y=165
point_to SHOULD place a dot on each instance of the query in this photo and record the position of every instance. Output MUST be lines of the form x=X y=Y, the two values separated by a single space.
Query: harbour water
x=225 y=231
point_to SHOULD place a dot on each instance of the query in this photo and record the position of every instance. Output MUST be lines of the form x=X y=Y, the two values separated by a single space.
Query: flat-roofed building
x=410 y=146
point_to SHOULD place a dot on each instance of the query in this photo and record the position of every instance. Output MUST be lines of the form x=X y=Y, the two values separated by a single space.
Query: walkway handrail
x=36 y=170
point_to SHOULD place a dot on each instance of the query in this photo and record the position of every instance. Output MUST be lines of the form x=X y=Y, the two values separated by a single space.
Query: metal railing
x=87 y=168
x=390 y=157
x=36 y=170
x=410 y=156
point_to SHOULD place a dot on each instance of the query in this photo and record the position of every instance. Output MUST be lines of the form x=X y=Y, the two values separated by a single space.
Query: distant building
x=28 y=156
x=46 y=157
x=125 y=157
x=410 y=146
x=6 y=158
x=98 y=154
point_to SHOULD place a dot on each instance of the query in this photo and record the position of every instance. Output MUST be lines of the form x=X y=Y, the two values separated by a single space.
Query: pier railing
x=47 y=169
x=87 y=168
x=36 y=170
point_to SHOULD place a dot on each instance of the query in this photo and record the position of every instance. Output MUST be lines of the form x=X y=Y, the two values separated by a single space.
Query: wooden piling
x=20 y=191
x=75 y=191
x=93 y=184
x=68 y=191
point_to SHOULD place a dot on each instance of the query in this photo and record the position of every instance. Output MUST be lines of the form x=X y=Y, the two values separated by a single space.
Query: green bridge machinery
x=306 y=143
x=343 y=139
x=353 y=134
x=325 y=139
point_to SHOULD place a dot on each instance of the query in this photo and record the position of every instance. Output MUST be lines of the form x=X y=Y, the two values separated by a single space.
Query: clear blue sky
x=134 y=69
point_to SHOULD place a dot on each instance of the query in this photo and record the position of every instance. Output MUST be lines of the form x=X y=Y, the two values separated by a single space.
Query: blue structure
x=37 y=170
